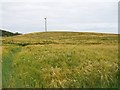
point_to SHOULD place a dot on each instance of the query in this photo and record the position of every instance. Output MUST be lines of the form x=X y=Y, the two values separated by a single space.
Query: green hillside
x=60 y=59
x=5 y=33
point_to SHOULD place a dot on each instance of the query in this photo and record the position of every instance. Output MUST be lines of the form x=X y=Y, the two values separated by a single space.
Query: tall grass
x=78 y=62
x=1 y=67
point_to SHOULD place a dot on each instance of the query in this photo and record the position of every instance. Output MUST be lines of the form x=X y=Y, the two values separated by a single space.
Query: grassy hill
x=60 y=59
x=5 y=33
x=62 y=38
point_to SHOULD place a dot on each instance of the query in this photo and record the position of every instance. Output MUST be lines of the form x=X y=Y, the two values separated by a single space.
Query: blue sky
x=27 y=16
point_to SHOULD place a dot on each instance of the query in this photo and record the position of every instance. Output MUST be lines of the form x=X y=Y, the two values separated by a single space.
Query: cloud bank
x=74 y=15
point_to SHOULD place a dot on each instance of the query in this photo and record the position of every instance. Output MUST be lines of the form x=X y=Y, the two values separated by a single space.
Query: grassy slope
x=63 y=38
x=59 y=59
x=0 y=67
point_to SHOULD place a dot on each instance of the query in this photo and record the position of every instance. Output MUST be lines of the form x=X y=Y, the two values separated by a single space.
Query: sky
x=26 y=16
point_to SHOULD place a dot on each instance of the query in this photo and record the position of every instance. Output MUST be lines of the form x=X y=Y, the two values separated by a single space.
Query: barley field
x=60 y=60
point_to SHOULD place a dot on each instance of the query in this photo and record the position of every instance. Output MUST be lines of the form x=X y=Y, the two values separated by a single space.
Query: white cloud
x=60 y=0
x=73 y=14
x=0 y=16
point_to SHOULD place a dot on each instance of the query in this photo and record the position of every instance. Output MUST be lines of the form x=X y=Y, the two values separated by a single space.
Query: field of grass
x=60 y=59
x=0 y=63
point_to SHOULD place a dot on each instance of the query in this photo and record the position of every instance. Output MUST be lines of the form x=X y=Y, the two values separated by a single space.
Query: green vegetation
x=0 y=67
x=7 y=33
x=60 y=59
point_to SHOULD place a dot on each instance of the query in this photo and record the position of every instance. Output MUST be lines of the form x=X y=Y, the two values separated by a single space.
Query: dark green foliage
x=7 y=33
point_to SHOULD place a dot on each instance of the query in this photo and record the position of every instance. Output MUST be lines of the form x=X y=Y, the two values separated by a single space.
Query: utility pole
x=45 y=24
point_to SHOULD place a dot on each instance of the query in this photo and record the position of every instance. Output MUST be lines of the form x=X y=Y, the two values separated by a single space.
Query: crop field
x=60 y=60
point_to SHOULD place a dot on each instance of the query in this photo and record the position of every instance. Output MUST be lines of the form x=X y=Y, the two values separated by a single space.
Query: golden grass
x=87 y=60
